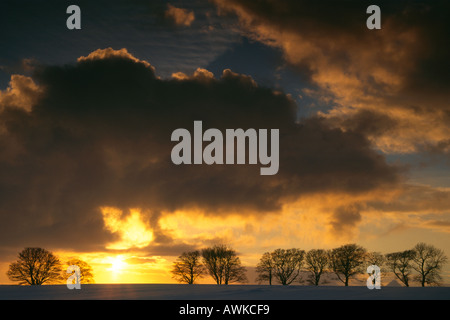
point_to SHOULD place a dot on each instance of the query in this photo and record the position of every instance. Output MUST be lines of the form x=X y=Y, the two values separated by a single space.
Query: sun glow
x=117 y=264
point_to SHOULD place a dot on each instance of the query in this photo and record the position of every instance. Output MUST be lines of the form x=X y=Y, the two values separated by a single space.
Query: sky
x=86 y=117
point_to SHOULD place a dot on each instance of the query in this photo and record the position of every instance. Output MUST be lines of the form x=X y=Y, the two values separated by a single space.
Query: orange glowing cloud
x=22 y=92
x=132 y=231
x=110 y=53
x=181 y=17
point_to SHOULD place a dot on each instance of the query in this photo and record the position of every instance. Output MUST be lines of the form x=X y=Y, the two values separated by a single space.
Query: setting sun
x=117 y=264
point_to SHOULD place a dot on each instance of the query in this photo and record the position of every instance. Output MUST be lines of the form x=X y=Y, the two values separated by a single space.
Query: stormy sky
x=86 y=118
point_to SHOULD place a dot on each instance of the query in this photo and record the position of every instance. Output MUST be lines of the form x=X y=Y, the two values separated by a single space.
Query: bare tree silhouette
x=375 y=258
x=287 y=264
x=265 y=268
x=400 y=264
x=316 y=261
x=35 y=266
x=223 y=264
x=188 y=267
x=347 y=261
x=428 y=261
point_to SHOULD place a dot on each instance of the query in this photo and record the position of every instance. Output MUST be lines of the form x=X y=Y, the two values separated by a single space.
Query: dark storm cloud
x=367 y=122
x=390 y=73
x=345 y=218
x=341 y=25
x=98 y=134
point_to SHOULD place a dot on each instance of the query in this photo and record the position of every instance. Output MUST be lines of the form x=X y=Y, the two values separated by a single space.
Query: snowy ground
x=214 y=292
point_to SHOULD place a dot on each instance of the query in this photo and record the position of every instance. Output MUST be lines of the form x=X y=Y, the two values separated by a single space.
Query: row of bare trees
x=422 y=263
x=220 y=261
x=424 y=260
x=286 y=265
x=37 y=266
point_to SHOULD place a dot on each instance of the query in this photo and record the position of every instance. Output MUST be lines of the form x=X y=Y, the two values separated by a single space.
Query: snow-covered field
x=214 y=292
